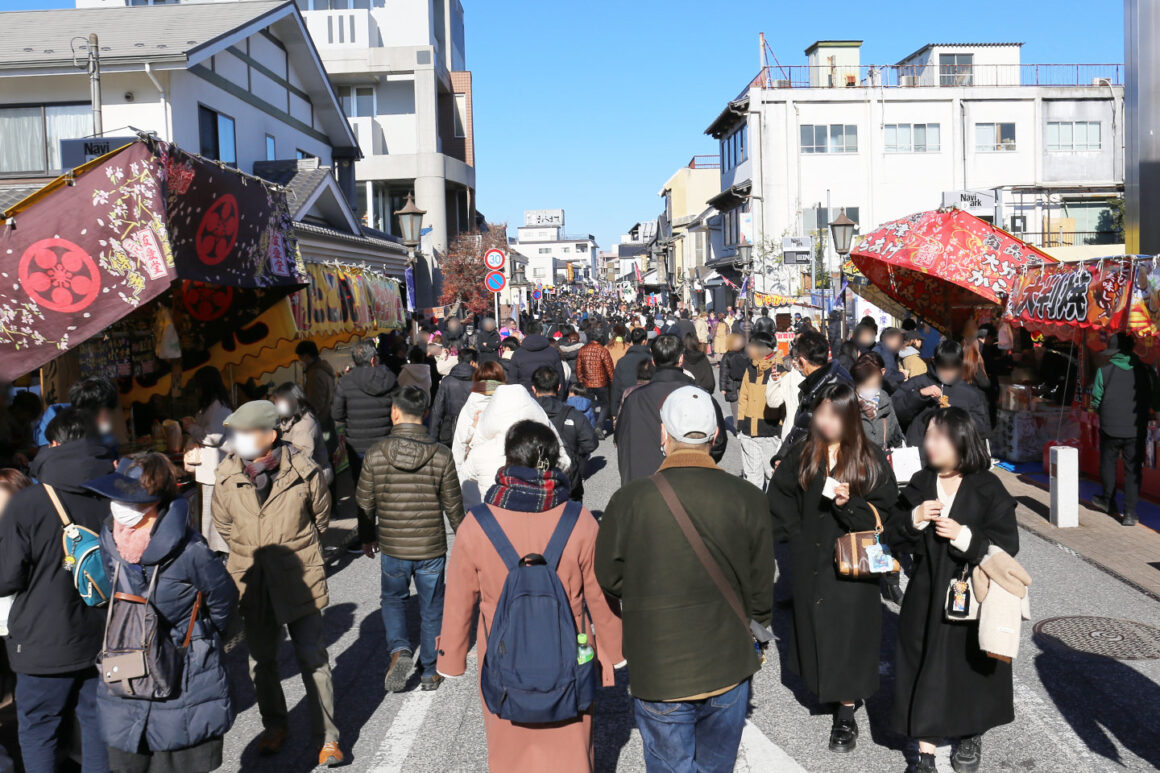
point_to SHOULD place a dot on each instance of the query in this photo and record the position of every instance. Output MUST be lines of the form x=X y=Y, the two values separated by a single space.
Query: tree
x=463 y=268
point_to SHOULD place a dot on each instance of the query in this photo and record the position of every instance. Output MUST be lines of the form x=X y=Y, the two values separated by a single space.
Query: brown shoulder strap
x=698 y=545
x=192 y=620
x=60 y=511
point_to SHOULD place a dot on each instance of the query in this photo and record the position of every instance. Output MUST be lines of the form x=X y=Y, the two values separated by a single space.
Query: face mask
x=248 y=446
x=870 y=395
x=105 y=427
x=126 y=514
x=284 y=409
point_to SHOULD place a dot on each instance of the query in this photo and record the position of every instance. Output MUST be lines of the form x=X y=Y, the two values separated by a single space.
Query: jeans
x=396 y=589
x=43 y=703
x=693 y=736
x=1132 y=450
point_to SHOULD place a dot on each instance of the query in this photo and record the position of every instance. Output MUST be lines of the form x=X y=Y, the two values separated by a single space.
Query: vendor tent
x=97 y=244
x=943 y=264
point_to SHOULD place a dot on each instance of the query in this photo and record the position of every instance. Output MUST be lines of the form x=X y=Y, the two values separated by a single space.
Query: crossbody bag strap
x=192 y=620
x=60 y=511
x=698 y=544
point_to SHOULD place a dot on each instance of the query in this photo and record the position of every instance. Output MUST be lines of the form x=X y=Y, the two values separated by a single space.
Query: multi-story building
x=400 y=71
x=1036 y=148
x=688 y=244
x=554 y=256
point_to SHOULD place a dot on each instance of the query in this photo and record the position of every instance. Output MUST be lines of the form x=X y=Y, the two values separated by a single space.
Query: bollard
x=1065 y=486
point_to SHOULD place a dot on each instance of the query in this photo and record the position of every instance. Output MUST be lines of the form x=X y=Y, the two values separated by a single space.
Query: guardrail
x=935 y=75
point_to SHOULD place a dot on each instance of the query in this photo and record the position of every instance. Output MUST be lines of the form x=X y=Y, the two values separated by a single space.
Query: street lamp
x=842 y=230
x=410 y=222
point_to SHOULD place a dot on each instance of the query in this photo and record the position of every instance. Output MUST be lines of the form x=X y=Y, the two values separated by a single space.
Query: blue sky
x=591 y=106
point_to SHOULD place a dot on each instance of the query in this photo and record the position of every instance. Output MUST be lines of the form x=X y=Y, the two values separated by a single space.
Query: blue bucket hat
x=123 y=485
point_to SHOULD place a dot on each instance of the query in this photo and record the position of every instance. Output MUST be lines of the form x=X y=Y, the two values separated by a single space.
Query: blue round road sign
x=537 y=295
x=495 y=281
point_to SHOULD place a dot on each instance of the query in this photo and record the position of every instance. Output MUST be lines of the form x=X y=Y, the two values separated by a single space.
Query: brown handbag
x=850 y=557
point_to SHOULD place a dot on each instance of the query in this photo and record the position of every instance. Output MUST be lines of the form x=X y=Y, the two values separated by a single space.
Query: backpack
x=82 y=556
x=138 y=658
x=530 y=673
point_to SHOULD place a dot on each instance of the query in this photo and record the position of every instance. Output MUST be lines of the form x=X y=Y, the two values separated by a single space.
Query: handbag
x=861 y=554
x=138 y=658
x=962 y=601
x=82 y=556
x=760 y=635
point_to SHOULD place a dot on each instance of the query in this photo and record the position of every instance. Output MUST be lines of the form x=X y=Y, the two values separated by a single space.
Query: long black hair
x=210 y=387
x=960 y=429
x=857 y=463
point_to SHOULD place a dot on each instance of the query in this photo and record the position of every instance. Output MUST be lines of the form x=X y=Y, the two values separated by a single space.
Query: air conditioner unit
x=781 y=84
x=908 y=80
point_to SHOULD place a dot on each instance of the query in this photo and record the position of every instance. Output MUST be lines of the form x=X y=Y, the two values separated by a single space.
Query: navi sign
x=73 y=153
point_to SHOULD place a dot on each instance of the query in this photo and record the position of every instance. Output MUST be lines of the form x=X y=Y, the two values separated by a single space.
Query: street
x=1074 y=711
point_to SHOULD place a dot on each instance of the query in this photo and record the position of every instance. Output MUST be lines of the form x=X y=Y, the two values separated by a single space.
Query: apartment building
x=554 y=257
x=1036 y=148
x=688 y=243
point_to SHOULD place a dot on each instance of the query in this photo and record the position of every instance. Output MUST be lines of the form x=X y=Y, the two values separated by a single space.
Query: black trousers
x=603 y=398
x=1131 y=450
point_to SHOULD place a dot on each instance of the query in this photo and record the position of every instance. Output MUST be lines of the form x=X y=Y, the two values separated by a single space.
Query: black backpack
x=139 y=659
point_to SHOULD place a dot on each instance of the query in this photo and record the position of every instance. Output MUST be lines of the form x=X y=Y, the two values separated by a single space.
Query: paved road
x=1074 y=712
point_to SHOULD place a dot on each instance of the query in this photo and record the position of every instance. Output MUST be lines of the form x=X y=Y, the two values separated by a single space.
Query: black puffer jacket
x=408 y=482
x=449 y=401
x=362 y=401
x=808 y=394
x=915 y=409
x=51 y=630
x=576 y=432
x=487 y=343
x=536 y=352
x=733 y=367
x=698 y=366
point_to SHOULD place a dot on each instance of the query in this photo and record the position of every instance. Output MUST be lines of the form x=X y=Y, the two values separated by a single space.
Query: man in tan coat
x=271 y=505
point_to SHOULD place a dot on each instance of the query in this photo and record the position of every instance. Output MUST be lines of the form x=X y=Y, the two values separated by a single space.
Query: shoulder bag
x=861 y=554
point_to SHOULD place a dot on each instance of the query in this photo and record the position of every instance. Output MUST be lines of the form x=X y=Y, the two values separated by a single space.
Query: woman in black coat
x=837 y=621
x=697 y=364
x=148 y=533
x=733 y=365
x=948 y=516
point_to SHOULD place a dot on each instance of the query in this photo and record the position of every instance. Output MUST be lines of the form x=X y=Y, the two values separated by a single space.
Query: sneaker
x=844 y=736
x=432 y=682
x=271 y=740
x=1130 y=519
x=925 y=764
x=330 y=756
x=354 y=547
x=968 y=754
x=400 y=669
x=1102 y=503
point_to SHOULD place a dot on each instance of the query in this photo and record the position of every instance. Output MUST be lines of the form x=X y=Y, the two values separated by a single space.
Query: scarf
x=487 y=387
x=528 y=491
x=131 y=543
x=259 y=470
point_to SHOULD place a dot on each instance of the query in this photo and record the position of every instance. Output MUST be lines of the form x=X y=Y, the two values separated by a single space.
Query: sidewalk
x=1130 y=553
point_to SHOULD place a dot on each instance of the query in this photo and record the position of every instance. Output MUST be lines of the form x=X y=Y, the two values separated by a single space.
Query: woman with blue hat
x=148 y=533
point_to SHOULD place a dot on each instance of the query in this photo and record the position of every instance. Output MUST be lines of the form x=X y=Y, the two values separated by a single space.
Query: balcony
x=705 y=162
x=934 y=75
x=354 y=28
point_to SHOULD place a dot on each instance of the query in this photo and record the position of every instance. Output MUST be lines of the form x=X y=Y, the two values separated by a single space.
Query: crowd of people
x=485 y=428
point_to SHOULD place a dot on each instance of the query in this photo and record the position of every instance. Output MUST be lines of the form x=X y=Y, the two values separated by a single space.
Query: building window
x=545 y=251
x=460 y=115
x=581 y=248
x=912 y=138
x=734 y=148
x=539 y=273
x=271 y=148
x=357 y=101
x=1073 y=135
x=992 y=137
x=216 y=132
x=300 y=154
x=731 y=221
x=834 y=138
x=956 y=69
x=32 y=135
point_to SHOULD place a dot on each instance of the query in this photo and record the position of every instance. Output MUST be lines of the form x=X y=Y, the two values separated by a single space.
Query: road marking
x=758 y=753
x=403 y=732
x=1029 y=707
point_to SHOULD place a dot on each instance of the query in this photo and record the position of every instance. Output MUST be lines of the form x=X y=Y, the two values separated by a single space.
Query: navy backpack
x=530 y=673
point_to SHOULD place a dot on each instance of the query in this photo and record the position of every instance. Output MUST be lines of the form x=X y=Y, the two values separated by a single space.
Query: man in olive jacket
x=690 y=656
x=408 y=483
x=271 y=505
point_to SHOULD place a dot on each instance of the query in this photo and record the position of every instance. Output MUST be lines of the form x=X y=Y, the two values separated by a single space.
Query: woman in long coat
x=527 y=501
x=837 y=621
x=948 y=516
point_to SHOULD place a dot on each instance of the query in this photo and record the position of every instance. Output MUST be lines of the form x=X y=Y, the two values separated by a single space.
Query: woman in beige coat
x=300 y=427
x=527 y=501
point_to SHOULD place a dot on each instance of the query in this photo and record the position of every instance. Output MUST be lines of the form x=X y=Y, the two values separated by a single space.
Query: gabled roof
x=929 y=46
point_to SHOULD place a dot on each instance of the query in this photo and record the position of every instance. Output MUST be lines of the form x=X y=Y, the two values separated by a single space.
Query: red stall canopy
x=943 y=264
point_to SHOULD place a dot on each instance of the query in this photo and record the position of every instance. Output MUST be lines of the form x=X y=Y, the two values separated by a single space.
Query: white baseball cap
x=689 y=411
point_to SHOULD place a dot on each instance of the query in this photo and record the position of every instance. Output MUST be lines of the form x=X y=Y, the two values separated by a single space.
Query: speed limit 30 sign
x=494 y=259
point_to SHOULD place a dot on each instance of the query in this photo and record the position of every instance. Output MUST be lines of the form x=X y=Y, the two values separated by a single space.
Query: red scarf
x=259 y=470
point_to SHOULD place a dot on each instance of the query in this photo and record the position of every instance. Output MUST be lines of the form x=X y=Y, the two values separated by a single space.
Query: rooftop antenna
x=766 y=55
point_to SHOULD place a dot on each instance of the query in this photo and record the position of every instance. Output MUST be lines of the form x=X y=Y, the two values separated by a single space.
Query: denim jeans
x=43 y=704
x=396 y=589
x=693 y=736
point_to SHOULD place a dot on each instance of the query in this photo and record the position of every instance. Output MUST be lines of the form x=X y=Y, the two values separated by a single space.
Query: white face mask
x=128 y=514
x=285 y=410
x=248 y=446
x=105 y=427
x=869 y=394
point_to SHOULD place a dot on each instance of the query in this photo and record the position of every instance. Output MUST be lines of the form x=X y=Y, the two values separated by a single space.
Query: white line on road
x=403 y=732
x=1030 y=707
x=758 y=753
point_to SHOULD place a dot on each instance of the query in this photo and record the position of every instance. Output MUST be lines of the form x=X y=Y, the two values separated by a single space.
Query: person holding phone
x=829 y=484
x=949 y=517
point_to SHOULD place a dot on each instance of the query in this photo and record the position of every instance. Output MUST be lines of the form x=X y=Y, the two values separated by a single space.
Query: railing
x=353 y=27
x=933 y=74
x=705 y=162
x=1071 y=238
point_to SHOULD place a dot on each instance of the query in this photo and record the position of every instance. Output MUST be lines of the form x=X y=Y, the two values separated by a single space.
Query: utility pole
x=95 y=83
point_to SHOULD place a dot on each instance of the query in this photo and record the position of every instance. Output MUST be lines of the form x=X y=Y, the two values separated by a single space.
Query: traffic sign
x=494 y=259
x=537 y=294
x=495 y=281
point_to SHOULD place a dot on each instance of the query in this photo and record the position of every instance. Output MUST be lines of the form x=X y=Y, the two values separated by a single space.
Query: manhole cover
x=1103 y=636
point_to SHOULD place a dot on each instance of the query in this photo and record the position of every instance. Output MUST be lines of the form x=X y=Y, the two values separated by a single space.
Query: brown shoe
x=331 y=755
x=399 y=671
x=271 y=740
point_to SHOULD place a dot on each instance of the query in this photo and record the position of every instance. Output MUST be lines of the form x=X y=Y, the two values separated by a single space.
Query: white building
x=1038 y=149
x=554 y=256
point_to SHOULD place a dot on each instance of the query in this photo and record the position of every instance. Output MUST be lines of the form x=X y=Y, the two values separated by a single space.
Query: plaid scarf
x=528 y=491
x=259 y=470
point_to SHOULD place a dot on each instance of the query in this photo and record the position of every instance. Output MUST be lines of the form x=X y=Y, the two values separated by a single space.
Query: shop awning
x=943 y=264
x=99 y=243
